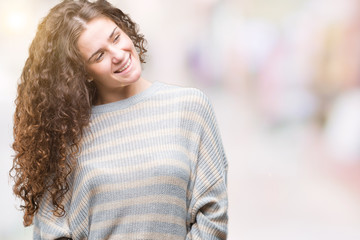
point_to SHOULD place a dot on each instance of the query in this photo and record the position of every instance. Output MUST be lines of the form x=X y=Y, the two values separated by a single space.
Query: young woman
x=102 y=153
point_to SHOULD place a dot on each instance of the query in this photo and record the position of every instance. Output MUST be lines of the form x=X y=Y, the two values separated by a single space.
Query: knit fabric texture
x=151 y=166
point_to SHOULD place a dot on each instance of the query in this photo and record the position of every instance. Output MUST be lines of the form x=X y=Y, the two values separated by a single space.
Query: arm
x=47 y=226
x=207 y=213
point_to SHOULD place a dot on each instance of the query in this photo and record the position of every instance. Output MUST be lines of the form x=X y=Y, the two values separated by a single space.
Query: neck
x=117 y=94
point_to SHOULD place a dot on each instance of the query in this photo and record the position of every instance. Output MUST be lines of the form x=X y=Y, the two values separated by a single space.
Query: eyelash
x=116 y=38
x=99 y=56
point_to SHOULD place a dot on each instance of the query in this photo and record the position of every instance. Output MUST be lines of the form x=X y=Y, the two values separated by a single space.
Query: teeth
x=126 y=66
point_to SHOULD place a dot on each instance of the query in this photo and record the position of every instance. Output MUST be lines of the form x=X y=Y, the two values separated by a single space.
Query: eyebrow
x=111 y=35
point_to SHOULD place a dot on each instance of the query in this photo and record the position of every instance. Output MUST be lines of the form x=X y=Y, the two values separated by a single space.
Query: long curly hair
x=54 y=100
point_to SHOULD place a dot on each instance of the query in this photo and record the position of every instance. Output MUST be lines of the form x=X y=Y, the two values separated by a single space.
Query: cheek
x=131 y=45
x=97 y=69
x=135 y=52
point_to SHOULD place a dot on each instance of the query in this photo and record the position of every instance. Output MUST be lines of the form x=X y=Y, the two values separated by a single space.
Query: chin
x=137 y=75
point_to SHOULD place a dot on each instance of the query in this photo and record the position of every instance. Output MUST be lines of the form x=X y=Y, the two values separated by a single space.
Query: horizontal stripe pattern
x=151 y=166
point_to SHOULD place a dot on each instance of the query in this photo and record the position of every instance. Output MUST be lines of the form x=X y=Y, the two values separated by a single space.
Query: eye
x=99 y=57
x=116 y=38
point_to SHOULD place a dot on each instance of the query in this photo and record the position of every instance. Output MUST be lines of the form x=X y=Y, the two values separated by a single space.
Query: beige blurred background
x=284 y=79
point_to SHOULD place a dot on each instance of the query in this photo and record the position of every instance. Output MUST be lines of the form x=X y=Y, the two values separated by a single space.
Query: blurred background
x=284 y=79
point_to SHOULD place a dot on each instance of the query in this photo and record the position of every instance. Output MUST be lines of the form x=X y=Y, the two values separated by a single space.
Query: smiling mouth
x=128 y=63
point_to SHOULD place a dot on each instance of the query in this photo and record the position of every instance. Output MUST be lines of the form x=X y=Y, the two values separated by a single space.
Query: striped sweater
x=152 y=166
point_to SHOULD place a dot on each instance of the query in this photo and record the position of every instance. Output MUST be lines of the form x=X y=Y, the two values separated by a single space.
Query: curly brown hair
x=54 y=100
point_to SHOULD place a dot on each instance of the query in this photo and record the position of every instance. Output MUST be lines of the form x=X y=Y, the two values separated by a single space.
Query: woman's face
x=110 y=56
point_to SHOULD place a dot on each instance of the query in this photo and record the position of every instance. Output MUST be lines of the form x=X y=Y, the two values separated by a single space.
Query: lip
x=123 y=65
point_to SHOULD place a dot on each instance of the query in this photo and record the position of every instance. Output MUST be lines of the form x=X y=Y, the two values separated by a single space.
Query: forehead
x=95 y=35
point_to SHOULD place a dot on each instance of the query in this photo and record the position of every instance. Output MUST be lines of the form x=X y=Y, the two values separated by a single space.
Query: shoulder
x=189 y=97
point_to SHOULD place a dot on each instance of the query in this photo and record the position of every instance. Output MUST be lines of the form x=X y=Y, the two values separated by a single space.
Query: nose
x=117 y=55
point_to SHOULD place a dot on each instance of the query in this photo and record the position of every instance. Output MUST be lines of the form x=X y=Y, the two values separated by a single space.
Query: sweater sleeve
x=207 y=213
x=47 y=226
